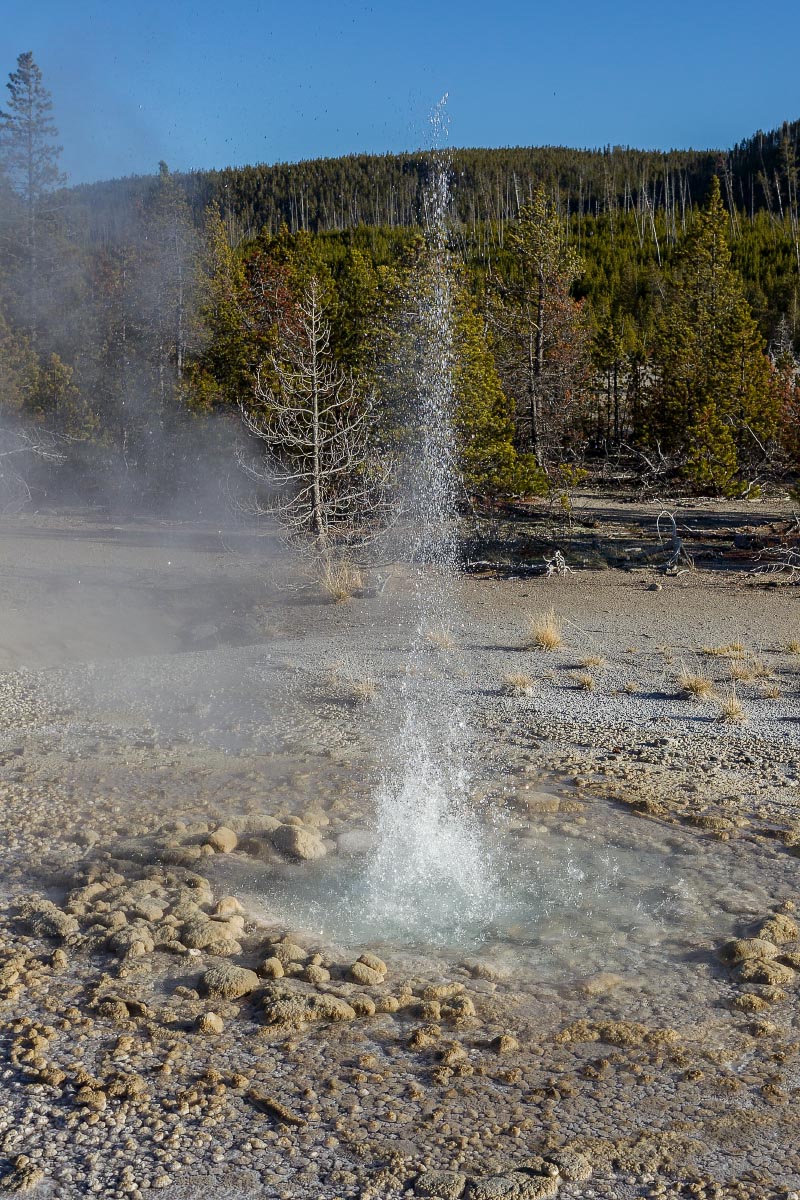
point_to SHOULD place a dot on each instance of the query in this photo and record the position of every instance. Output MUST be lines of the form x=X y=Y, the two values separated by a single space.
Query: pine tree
x=224 y=373
x=29 y=157
x=713 y=394
x=484 y=422
x=542 y=338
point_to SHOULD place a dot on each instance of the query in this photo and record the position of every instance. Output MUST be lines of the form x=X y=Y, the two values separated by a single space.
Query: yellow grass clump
x=441 y=638
x=729 y=650
x=732 y=709
x=517 y=683
x=593 y=660
x=586 y=682
x=698 y=686
x=545 y=631
x=339 y=579
x=745 y=670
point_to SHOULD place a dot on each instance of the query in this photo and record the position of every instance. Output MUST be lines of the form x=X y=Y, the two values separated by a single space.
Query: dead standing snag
x=327 y=483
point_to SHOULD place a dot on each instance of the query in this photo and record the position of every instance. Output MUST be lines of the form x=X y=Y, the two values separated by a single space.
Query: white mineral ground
x=160 y=681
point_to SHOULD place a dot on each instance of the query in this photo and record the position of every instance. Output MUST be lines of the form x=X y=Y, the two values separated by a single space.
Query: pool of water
x=615 y=893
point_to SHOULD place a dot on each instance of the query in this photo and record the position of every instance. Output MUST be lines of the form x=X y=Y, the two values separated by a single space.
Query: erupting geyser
x=429 y=871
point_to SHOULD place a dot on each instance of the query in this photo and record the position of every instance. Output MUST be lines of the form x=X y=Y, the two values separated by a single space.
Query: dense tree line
x=611 y=307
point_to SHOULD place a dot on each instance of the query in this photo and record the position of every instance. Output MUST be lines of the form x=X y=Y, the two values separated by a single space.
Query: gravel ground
x=163 y=686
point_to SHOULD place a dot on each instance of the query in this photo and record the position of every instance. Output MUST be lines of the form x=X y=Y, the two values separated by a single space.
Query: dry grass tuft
x=730 y=650
x=545 y=631
x=517 y=683
x=732 y=709
x=593 y=660
x=354 y=691
x=698 y=686
x=631 y=687
x=793 y=647
x=586 y=682
x=770 y=691
x=339 y=579
x=441 y=638
x=363 y=691
x=745 y=670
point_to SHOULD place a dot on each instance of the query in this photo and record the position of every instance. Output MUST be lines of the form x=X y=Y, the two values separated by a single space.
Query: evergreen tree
x=786 y=366
x=29 y=157
x=542 y=339
x=18 y=372
x=57 y=404
x=484 y=422
x=223 y=373
x=713 y=390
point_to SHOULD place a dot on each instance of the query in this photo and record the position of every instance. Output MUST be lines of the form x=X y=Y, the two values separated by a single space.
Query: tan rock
x=745 y=949
x=442 y=991
x=779 y=928
x=298 y=842
x=229 y=981
x=506 y=1043
x=765 y=971
x=373 y=962
x=288 y=952
x=223 y=840
x=361 y=973
x=363 y=1006
x=211 y=1022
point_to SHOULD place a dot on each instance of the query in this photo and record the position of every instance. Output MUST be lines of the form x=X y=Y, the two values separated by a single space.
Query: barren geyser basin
x=203 y=991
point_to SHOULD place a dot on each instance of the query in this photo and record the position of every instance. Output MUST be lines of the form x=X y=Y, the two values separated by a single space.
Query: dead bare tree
x=17 y=448
x=324 y=477
x=679 y=556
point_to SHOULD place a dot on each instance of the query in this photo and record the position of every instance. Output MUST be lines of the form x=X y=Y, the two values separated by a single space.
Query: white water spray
x=430 y=872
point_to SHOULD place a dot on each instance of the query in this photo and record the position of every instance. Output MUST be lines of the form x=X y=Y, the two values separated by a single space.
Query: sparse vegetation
x=699 y=687
x=517 y=683
x=730 y=650
x=338 y=578
x=732 y=709
x=441 y=638
x=793 y=647
x=362 y=691
x=593 y=660
x=770 y=691
x=631 y=687
x=348 y=690
x=586 y=681
x=545 y=631
x=745 y=670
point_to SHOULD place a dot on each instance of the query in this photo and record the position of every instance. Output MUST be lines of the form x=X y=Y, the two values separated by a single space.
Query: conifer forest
x=623 y=315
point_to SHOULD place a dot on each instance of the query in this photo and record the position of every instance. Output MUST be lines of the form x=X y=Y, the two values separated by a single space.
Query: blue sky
x=201 y=84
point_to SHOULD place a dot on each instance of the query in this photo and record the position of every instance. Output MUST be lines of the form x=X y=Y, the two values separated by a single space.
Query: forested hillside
x=488 y=186
x=613 y=309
